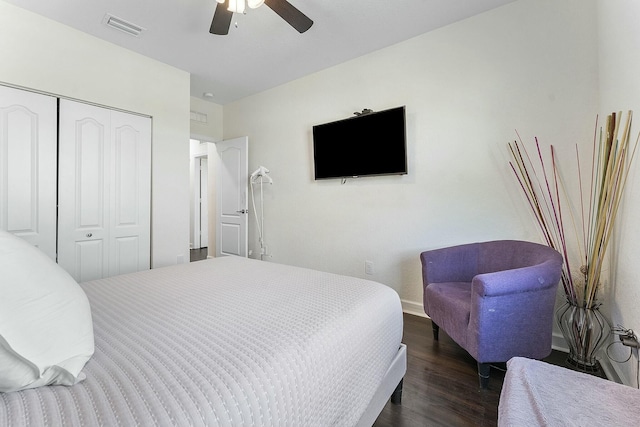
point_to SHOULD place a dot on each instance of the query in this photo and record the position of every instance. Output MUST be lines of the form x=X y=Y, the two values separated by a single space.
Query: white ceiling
x=263 y=51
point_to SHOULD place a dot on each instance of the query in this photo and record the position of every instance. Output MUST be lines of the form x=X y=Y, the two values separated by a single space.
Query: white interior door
x=194 y=225
x=204 y=202
x=231 y=192
x=103 y=191
x=28 y=167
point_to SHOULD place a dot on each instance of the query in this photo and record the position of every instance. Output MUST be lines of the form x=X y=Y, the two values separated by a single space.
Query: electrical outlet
x=368 y=268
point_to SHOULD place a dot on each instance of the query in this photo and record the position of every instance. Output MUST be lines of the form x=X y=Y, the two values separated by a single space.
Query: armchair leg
x=483 y=374
x=435 y=329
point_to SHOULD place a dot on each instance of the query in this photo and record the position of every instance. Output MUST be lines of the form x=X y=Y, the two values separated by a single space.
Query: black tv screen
x=364 y=145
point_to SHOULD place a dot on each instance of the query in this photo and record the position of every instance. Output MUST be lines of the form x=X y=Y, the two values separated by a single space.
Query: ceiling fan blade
x=289 y=13
x=221 y=19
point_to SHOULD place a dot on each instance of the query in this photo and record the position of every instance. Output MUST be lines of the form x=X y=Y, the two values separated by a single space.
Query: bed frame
x=391 y=388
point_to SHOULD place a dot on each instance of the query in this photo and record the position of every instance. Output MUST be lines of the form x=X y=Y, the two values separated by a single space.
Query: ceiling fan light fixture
x=254 y=4
x=236 y=6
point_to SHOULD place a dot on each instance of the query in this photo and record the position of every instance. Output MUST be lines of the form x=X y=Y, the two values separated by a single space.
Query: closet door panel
x=89 y=259
x=22 y=170
x=83 y=190
x=28 y=167
x=126 y=254
x=89 y=175
x=130 y=246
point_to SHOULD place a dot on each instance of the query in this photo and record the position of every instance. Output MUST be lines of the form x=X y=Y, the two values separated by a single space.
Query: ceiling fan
x=225 y=10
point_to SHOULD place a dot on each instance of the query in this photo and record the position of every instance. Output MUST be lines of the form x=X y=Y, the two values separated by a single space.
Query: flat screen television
x=365 y=145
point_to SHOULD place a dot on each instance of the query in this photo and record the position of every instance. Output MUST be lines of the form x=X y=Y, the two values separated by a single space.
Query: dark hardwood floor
x=441 y=384
x=197 y=254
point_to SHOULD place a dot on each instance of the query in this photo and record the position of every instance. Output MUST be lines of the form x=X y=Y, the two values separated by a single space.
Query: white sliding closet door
x=130 y=194
x=104 y=190
x=28 y=167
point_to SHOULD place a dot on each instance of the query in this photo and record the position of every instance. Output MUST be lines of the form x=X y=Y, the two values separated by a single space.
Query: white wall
x=43 y=55
x=530 y=66
x=619 y=57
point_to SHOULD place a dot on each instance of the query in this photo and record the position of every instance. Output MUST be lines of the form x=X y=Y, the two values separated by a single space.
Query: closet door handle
x=89 y=234
x=243 y=211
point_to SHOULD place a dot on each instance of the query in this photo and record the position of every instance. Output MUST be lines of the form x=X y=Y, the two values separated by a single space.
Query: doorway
x=200 y=203
x=219 y=205
x=201 y=188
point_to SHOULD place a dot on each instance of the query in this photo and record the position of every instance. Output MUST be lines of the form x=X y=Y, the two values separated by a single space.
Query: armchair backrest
x=463 y=262
x=512 y=254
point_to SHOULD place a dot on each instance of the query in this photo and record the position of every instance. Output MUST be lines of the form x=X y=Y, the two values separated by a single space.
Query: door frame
x=195 y=202
x=204 y=197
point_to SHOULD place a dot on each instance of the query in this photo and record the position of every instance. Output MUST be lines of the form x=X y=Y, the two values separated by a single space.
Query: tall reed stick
x=611 y=158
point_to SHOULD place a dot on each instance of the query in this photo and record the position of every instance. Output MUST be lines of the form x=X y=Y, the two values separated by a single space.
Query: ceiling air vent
x=198 y=117
x=122 y=25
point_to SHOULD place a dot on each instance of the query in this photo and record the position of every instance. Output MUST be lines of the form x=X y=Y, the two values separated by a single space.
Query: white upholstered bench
x=540 y=394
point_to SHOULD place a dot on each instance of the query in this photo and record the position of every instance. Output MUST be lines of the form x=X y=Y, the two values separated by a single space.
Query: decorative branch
x=610 y=163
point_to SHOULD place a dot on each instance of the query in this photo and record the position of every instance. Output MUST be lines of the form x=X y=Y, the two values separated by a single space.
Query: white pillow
x=46 y=332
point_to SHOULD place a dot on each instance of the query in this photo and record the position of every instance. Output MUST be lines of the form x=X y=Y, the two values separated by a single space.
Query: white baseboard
x=610 y=371
x=411 y=307
x=558 y=343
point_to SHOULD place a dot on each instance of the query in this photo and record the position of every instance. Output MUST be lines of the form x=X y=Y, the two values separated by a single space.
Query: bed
x=230 y=342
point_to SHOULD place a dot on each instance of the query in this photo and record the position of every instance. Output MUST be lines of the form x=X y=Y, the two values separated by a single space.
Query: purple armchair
x=495 y=299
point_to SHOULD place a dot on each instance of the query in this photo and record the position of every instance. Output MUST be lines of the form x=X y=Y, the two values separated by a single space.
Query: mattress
x=228 y=342
x=537 y=393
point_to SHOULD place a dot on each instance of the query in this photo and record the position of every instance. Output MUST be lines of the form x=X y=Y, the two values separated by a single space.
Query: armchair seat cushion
x=450 y=303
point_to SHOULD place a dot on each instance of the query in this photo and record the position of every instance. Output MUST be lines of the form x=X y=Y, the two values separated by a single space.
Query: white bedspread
x=536 y=393
x=228 y=342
